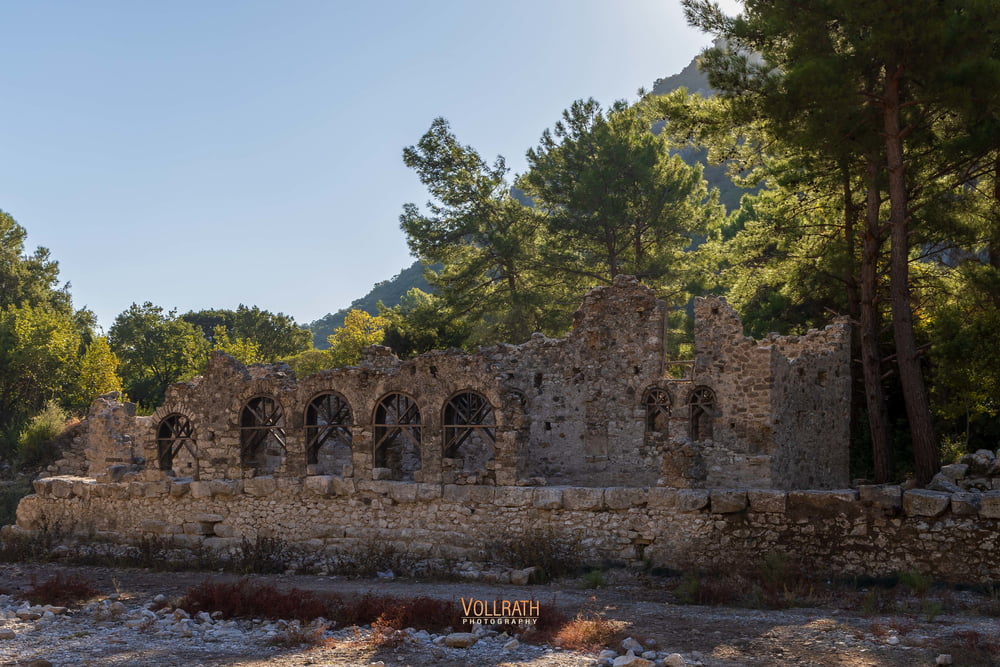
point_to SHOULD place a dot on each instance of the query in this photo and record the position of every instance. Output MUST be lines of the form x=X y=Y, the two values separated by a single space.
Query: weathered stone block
x=920 y=502
x=548 y=497
x=660 y=496
x=376 y=486
x=61 y=488
x=881 y=495
x=620 y=498
x=481 y=494
x=941 y=482
x=514 y=496
x=403 y=492
x=427 y=492
x=179 y=488
x=989 y=505
x=581 y=498
x=42 y=487
x=82 y=488
x=692 y=500
x=222 y=530
x=344 y=487
x=201 y=490
x=728 y=501
x=205 y=517
x=289 y=485
x=456 y=493
x=260 y=487
x=837 y=501
x=321 y=485
x=955 y=471
x=767 y=500
x=965 y=503
x=156 y=489
x=226 y=487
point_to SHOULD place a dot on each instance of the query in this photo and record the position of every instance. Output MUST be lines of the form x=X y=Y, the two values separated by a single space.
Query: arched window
x=657 y=404
x=262 y=435
x=328 y=433
x=469 y=430
x=702 y=412
x=397 y=436
x=174 y=440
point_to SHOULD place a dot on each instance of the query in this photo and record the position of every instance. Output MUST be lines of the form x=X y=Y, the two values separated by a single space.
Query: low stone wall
x=873 y=531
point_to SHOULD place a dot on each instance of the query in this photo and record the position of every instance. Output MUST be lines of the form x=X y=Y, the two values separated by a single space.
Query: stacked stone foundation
x=875 y=531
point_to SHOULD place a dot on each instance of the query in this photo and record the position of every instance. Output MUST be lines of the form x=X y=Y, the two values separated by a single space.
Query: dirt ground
x=837 y=632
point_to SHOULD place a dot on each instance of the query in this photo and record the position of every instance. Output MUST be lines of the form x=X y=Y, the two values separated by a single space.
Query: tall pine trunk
x=871 y=358
x=907 y=358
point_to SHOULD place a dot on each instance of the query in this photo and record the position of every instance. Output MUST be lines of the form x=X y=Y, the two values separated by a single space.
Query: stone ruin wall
x=872 y=531
x=569 y=411
x=587 y=437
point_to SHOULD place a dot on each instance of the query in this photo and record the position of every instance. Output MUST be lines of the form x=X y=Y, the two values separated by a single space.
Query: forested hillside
x=387 y=292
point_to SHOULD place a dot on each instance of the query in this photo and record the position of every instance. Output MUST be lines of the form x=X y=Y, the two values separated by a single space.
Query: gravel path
x=118 y=628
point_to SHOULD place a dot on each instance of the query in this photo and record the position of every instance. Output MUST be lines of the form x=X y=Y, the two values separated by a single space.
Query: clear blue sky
x=206 y=154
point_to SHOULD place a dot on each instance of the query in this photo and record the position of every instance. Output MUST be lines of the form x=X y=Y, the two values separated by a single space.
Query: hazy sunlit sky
x=207 y=154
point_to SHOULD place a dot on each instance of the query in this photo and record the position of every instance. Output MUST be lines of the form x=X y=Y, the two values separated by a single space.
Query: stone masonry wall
x=595 y=408
x=874 y=531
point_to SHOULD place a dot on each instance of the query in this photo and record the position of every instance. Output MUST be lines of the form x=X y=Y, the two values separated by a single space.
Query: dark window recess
x=328 y=433
x=262 y=435
x=702 y=413
x=469 y=430
x=397 y=436
x=657 y=404
x=173 y=434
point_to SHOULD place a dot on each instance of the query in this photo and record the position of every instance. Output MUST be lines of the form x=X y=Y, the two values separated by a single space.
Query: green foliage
x=156 y=348
x=614 y=198
x=27 y=279
x=38 y=355
x=97 y=374
x=422 y=322
x=962 y=323
x=310 y=362
x=37 y=443
x=484 y=240
x=359 y=331
x=251 y=332
x=245 y=350
x=387 y=292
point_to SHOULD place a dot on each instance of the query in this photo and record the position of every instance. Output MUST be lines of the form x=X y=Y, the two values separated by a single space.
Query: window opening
x=397 y=436
x=702 y=406
x=175 y=444
x=262 y=435
x=469 y=431
x=328 y=434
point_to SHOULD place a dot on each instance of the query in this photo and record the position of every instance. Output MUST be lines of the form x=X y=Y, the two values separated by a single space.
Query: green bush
x=36 y=445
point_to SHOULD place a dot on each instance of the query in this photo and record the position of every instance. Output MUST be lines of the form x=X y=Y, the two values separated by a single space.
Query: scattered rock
x=631 y=660
x=460 y=639
x=522 y=577
x=630 y=644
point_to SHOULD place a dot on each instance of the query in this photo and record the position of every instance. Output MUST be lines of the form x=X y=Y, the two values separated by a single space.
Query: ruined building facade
x=594 y=409
x=585 y=439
